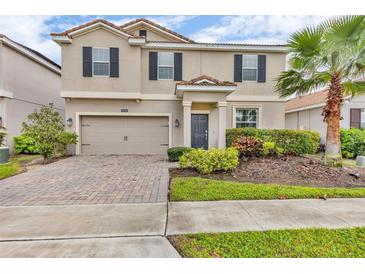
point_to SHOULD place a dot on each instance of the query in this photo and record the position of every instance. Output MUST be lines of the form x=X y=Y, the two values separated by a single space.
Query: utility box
x=360 y=160
x=4 y=155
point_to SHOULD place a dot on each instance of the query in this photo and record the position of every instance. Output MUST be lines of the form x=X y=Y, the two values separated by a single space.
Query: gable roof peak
x=91 y=23
x=205 y=80
x=158 y=26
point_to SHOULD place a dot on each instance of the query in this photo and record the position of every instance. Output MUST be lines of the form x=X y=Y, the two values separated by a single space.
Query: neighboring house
x=140 y=88
x=28 y=80
x=305 y=112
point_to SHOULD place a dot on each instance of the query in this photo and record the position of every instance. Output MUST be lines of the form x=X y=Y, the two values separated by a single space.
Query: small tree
x=47 y=128
x=330 y=55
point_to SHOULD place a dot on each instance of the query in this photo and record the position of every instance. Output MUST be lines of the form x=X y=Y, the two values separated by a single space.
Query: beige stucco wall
x=152 y=34
x=129 y=64
x=218 y=65
x=271 y=113
x=133 y=78
x=134 y=68
x=32 y=86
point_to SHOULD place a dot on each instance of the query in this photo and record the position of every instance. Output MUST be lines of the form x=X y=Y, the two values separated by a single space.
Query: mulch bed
x=292 y=170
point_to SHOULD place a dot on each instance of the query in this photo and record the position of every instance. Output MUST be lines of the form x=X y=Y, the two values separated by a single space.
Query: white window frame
x=259 y=113
x=165 y=66
x=361 y=110
x=243 y=56
x=94 y=75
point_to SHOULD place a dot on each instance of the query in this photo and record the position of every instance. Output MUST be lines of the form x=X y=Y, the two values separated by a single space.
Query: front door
x=199 y=131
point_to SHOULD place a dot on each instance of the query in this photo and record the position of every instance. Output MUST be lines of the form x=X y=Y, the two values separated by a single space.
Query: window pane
x=249 y=75
x=101 y=69
x=246 y=117
x=165 y=59
x=240 y=125
x=101 y=55
x=249 y=61
x=362 y=118
x=165 y=72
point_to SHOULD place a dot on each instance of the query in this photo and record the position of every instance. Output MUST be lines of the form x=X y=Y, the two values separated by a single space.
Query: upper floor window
x=165 y=66
x=101 y=61
x=143 y=33
x=246 y=117
x=249 y=67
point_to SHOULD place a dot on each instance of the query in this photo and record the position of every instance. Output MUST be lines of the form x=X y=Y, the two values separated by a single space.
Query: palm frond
x=354 y=88
x=346 y=30
x=306 y=42
x=295 y=82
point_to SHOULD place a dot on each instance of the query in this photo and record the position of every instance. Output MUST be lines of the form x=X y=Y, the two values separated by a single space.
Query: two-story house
x=140 y=88
x=28 y=80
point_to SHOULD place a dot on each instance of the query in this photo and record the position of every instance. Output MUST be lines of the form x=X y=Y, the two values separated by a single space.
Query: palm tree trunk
x=332 y=116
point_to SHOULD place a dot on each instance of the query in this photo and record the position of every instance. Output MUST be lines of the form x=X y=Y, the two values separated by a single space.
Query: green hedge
x=174 y=153
x=208 y=161
x=297 y=142
x=24 y=144
x=352 y=142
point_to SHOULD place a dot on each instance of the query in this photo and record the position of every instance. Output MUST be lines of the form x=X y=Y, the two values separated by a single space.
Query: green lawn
x=199 y=189
x=303 y=243
x=14 y=165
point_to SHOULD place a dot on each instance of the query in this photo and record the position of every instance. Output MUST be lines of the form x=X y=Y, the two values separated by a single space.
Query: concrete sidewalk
x=83 y=221
x=125 y=230
x=121 y=247
x=228 y=216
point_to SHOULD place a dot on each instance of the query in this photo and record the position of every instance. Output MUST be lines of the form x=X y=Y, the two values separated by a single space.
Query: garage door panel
x=124 y=135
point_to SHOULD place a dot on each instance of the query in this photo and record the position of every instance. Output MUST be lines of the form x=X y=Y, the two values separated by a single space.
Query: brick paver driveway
x=90 y=180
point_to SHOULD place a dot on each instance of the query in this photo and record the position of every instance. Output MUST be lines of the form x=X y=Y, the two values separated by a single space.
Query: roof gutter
x=220 y=47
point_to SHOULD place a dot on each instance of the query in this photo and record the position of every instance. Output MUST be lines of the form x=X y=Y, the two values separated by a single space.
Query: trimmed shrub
x=352 y=142
x=248 y=146
x=208 y=161
x=24 y=144
x=295 y=142
x=174 y=153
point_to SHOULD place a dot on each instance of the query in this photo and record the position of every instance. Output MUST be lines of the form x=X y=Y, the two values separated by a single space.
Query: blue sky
x=33 y=31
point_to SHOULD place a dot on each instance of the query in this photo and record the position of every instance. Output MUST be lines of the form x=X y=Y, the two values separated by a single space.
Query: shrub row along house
x=140 y=88
x=28 y=80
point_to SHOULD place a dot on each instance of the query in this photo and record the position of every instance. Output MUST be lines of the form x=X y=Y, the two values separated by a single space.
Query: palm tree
x=330 y=55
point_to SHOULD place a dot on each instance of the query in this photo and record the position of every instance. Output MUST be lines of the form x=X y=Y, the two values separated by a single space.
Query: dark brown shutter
x=153 y=66
x=114 y=62
x=238 y=67
x=87 y=61
x=355 y=118
x=177 y=66
x=261 y=67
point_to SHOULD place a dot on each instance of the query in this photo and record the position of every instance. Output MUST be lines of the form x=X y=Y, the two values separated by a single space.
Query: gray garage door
x=124 y=135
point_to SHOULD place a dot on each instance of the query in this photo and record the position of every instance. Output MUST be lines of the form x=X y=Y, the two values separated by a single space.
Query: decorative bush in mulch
x=292 y=170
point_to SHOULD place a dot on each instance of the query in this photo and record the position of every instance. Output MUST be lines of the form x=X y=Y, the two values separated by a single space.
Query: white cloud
x=255 y=29
x=171 y=22
x=31 y=31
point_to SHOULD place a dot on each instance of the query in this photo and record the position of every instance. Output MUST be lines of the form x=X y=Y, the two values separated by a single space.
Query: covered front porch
x=205 y=111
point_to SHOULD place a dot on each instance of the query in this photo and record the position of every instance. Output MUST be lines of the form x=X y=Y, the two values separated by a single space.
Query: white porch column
x=187 y=123
x=222 y=124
